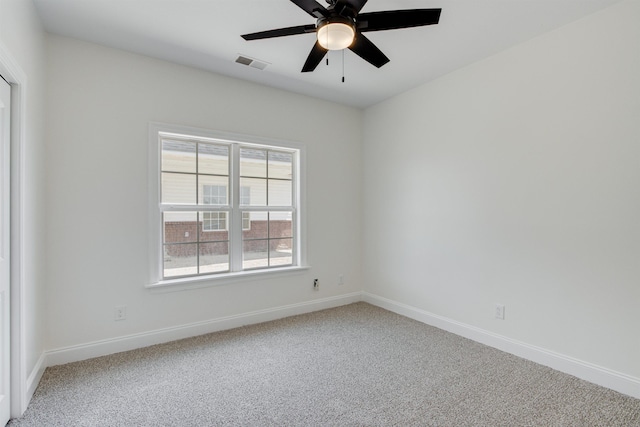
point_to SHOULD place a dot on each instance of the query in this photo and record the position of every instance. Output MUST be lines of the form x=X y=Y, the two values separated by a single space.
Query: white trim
x=153 y=177
x=196 y=282
x=130 y=342
x=36 y=375
x=587 y=371
x=235 y=241
x=11 y=71
x=218 y=136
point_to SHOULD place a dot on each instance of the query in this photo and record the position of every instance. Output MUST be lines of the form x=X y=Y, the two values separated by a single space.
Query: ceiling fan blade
x=280 y=32
x=365 y=49
x=355 y=5
x=314 y=58
x=394 y=19
x=312 y=7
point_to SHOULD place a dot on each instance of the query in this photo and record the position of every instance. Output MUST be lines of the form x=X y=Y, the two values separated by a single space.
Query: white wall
x=22 y=41
x=515 y=180
x=100 y=102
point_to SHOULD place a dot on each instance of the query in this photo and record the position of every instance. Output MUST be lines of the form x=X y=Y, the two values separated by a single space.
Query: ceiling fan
x=340 y=26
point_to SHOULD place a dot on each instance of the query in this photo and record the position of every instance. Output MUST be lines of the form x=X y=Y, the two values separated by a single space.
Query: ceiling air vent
x=251 y=62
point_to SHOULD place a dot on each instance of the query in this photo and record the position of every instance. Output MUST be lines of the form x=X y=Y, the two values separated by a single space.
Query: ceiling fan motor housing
x=336 y=32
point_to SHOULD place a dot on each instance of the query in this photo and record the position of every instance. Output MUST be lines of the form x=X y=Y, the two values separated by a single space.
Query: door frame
x=19 y=391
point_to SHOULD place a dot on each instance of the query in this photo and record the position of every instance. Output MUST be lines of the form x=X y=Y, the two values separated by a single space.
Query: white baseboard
x=587 y=371
x=34 y=379
x=131 y=342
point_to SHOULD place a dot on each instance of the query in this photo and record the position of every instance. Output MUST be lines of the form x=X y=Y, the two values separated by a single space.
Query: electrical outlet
x=499 y=311
x=120 y=313
x=340 y=280
x=316 y=284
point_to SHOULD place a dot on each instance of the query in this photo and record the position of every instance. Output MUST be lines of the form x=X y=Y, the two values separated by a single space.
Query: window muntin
x=203 y=218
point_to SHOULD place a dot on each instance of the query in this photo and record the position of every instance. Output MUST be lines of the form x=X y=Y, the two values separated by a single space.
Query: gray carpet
x=356 y=365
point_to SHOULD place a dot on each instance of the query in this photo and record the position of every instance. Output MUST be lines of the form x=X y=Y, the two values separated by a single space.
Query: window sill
x=185 y=283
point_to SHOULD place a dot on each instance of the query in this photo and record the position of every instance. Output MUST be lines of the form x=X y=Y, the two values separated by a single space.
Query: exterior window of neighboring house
x=224 y=206
x=214 y=195
x=217 y=195
x=245 y=200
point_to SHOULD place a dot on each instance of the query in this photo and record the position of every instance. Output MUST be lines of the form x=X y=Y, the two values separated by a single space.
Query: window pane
x=246 y=221
x=254 y=254
x=253 y=163
x=280 y=224
x=180 y=227
x=213 y=159
x=257 y=190
x=214 y=226
x=180 y=260
x=213 y=190
x=214 y=257
x=245 y=200
x=258 y=225
x=245 y=196
x=178 y=156
x=178 y=188
x=279 y=193
x=213 y=221
x=281 y=251
x=280 y=165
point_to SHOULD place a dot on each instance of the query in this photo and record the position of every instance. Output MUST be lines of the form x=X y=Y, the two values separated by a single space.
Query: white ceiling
x=206 y=34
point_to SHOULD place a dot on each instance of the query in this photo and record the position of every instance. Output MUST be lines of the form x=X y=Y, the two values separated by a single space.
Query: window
x=225 y=206
x=214 y=221
x=245 y=200
x=214 y=195
x=217 y=195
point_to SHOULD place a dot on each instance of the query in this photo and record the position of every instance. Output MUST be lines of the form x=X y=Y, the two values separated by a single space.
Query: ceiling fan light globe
x=336 y=36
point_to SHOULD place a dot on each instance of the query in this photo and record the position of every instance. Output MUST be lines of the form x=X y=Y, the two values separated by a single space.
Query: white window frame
x=236 y=274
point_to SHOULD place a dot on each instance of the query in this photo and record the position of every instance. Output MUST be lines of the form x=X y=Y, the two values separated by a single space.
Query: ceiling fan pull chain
x=328 y=45
x=342 y=65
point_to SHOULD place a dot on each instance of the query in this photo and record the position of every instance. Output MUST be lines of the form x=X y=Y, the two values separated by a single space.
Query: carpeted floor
x=356 y=365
